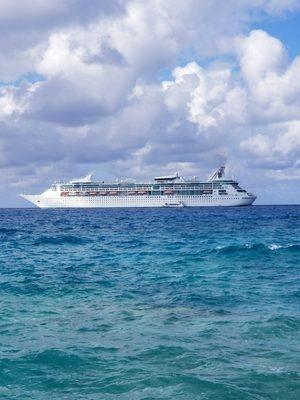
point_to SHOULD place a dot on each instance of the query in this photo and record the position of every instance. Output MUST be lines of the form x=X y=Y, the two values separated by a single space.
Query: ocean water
x=150 y=304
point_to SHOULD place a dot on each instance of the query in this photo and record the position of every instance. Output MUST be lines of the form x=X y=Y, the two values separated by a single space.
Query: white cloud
x=260 y=55
x=100 y=100
x=275 y=149
x=210 y=96
x=272 y=81
x=8 y=106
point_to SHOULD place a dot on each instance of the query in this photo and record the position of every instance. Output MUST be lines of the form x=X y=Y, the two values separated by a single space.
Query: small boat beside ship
x=174 y=205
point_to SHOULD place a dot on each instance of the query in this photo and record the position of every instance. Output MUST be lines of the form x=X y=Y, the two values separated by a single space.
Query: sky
x=139 y=88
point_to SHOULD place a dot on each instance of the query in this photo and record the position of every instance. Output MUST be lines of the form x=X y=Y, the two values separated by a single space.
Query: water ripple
x=150 y=304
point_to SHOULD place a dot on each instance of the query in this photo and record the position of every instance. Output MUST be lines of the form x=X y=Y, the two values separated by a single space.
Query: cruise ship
x=164 y=191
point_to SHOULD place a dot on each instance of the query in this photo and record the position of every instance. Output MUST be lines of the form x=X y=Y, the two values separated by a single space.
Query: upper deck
x=161 y=185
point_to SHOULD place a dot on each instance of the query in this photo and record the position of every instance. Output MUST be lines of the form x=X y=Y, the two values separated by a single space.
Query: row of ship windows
x=152 y=194
x=105 y=200
x=141 y=187
x=132 y=198
x=145 y=193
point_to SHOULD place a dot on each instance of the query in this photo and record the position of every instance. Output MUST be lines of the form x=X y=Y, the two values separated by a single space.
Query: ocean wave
x=275 y=327
x=275 y=246
x=138 y=304
x=287 y=323
x=257 y=246
x=51 y=358
x=60 y=240
x=8 y=231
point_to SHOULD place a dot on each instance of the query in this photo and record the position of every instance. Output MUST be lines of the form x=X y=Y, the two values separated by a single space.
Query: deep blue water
x=150 y=304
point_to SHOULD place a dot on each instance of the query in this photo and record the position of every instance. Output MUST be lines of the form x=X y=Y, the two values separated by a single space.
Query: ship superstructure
x=164 y=191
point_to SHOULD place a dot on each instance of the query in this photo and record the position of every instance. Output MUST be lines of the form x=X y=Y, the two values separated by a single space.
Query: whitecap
x=274 y=246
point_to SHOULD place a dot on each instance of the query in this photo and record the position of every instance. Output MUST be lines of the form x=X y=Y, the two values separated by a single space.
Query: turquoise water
x=150 y=304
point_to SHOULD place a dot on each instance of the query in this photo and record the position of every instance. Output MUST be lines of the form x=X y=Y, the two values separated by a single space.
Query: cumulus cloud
x=275 y=150
x=264 y=96
x=97 y=99
x=209 y=95
x=27 y=25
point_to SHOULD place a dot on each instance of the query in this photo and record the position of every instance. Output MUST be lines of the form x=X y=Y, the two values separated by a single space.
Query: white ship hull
x=165 y=191
x=56 y=201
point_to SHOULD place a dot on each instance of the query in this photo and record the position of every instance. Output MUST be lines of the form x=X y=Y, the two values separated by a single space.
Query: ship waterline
x=165 y=191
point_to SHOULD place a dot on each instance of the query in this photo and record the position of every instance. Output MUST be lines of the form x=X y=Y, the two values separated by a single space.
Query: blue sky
x=134 y=89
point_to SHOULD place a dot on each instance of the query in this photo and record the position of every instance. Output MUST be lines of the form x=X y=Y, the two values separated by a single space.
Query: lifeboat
x=64 y=194
x=113 y=193
x=141 y=192
x=94 y=193
x=72 y=194
x=103 y=193
x=132 y=192
x=207 y=191
x=168 y=191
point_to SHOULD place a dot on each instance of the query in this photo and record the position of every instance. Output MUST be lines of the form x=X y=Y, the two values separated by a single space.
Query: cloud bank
x=133 y=88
